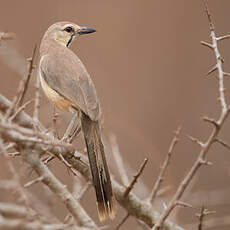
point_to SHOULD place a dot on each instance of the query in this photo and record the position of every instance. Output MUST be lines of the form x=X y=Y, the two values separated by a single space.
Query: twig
x=22 y=88
x=164 y=167
x=16 y=178
x=219 y=63
x=10 y=210
x=84 y=189
x=223 y=37
x=75 y=134
x=122 y=221
x=24 y=119
x=203 y=212
x=213 y=69
x=7 y=224
x=70 y=126
x=39 y=179
x=195 y=140
x=31 y=67
x=6 y=36
x=36 y=103
x=118 y=160
x=223 y=143
x=131 y=185
x=20 y=109
x=54 y=122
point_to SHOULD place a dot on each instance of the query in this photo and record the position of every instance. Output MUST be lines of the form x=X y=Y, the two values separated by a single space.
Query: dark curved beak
x=85 y=30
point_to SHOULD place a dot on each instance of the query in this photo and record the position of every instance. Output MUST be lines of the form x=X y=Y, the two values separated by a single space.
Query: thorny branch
x=164 y=167
x=23 y=85
x=130 y=187
x=24 y=136
x=32 y=143
x=201 y=159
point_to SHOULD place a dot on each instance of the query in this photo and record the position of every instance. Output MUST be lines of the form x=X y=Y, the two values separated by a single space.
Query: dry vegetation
x=24 y=137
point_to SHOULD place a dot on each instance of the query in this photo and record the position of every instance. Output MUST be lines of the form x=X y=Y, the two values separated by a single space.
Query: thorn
x=214 y=68
x=29 y=59
x=183 y=204
x=48 y=159
x=212 y=121
x=130 y=187
x=204 y=212
x=195 y=140
x=223 y=143
x=205 y=162
x=221 y=59
x=165 y=205
x=14 y=154
x=211 y=25
x=207 y=44
x=33 y=181
x=122 y=221
x=223 y=37
x=226 y=74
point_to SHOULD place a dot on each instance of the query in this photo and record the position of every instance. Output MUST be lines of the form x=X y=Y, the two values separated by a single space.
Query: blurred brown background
x=149 y=70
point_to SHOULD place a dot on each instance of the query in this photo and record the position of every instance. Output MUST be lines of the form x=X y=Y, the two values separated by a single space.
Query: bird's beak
x=85 y=30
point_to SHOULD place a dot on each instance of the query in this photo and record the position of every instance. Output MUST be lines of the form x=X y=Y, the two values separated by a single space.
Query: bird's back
x=65 y=73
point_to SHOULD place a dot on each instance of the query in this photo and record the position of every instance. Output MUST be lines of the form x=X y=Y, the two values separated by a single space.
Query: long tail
x=99 y=168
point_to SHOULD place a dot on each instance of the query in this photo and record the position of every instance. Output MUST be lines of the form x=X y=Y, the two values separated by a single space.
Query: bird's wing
x=65 y=73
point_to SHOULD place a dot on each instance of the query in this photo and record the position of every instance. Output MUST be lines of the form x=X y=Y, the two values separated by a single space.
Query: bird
x=67 y=84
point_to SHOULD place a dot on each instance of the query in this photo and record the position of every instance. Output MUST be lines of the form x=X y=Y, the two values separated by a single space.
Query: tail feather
x=99 y=168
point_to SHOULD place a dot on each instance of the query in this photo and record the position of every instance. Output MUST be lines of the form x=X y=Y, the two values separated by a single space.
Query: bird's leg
x=70 y=126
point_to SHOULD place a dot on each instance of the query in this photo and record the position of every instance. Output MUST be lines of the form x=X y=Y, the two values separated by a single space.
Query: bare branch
x=6 y=224
x=22 y=88
x=122 y=221
x=164 y=167
x=6 y=36
x=39 y=179
x=207 y=45
x=36 y=103
x=118 y=160
x=16 y=179
x=201 y=159
x=223 y=37
x=27 y=79
x=223 y=143
x=183 y=204
x=203 y=212
x=9 y=210
x=135 y=206
x=211 y=121
x=131 y=185
x=195 y=140
x=60 y=190
x=54 y=122
x=219 y=63
x=213 y=69
x=20 y=109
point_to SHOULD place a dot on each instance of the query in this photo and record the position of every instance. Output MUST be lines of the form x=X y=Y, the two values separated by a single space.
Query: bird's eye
x=69 y=29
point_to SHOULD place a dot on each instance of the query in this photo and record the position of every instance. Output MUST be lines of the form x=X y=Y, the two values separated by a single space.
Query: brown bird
x=68 y=86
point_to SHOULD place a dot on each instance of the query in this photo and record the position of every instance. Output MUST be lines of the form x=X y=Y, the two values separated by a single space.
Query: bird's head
x=65 y=32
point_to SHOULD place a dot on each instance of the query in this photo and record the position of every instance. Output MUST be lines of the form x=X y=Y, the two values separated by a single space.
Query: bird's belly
x=58 y=100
